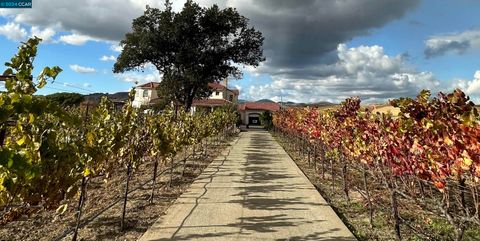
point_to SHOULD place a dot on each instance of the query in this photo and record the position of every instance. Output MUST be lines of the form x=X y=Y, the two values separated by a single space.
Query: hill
x=119 y=96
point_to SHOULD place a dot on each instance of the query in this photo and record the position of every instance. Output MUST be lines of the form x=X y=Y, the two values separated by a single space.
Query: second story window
x=217 y=93
x=145 y=93
x=231 y=98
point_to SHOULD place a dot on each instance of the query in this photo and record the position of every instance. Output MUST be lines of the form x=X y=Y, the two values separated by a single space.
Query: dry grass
x=387 y=109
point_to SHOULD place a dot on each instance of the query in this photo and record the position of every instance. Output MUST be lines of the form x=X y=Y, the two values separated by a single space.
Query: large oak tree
x=191 y=48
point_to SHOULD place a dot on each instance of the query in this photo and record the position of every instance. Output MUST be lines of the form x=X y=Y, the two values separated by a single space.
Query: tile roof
x=149 y=85
x=271 y=106
x=210 y=102
x=218 y=86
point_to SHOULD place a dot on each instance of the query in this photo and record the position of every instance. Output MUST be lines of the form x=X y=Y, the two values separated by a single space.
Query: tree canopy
x=66 y=99
x=191 y=48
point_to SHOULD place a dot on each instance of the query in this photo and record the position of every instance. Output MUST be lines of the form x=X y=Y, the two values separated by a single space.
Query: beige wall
x=221 y=95
x=215 y=96
x=143 y=97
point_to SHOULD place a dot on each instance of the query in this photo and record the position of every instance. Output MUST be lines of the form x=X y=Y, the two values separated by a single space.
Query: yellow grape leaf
x=31 y=118
x=448 y=141
x=86 y=172
x=21 y=141
x=90 y=138
x=429 y=125
x=467 y=161
x=61 y=209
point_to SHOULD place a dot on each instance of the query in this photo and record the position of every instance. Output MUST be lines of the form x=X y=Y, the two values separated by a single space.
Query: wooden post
x=79 y=207
x=155 y=167
x=125 y=197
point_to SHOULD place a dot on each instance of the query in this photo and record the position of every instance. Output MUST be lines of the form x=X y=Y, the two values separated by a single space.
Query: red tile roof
x=218 y=86
x=210 y=102
x=149 y=85
x=271 y=106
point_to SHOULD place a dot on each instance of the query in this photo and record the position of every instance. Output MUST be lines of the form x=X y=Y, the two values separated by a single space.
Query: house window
x=217 y=93
x=145 y=93
x=231 y=98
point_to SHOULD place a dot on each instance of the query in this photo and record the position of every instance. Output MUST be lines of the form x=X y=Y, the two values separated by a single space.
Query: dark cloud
x=297 y=33
x=306 y=58
x=300 y=33
x=458 y=43
x=449 y=46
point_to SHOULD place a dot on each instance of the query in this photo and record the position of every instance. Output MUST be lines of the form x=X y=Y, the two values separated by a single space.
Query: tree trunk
x=345 y=179
x=308 y=155
x=396 y=218
x=463 y=189
x=3 y=133
x=367 y=193
x=125 y=197
x=81 y=200
x=333 y=174
x=155 y=167
x=185 y=156
x=171 y=172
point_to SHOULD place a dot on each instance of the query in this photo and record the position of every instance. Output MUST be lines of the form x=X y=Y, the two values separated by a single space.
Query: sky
x=315 y=50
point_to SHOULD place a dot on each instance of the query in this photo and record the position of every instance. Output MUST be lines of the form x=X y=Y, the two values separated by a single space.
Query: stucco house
x=146 y=95
x=250 y=111
x=221 y=95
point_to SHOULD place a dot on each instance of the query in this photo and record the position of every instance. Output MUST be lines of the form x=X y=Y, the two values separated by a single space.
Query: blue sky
x=378 y=51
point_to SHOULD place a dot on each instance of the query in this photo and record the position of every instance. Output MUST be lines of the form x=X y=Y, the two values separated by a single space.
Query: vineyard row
x=427 y=158
x=49 y=153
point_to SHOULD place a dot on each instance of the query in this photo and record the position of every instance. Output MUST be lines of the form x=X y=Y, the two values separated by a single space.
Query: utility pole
x=226 y=90
x=281 y=101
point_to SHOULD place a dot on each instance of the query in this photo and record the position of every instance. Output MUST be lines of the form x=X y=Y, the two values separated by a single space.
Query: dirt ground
x=103 y=206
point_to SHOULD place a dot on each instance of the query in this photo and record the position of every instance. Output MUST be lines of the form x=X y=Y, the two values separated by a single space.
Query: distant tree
x=191 y=48
x=267 y=120
x=66 y=99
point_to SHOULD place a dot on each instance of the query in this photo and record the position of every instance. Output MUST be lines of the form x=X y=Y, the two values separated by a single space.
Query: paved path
x=254 y=192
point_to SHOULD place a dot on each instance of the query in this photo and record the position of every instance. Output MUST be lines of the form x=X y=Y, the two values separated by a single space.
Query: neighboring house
x=146 y=95
x=221 y=95
x=250 y=111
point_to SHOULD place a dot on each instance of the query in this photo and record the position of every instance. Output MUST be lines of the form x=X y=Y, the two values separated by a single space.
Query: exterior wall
x=244 y=115
x=235 y=97
x=215 y=96
x=142 y=98
x=221 y=95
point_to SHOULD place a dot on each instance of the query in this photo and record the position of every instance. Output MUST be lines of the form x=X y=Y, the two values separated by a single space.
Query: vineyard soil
x=38 y=224
x=354 y=213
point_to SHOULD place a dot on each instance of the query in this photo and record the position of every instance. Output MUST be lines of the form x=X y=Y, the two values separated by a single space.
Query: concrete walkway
x=254 y=192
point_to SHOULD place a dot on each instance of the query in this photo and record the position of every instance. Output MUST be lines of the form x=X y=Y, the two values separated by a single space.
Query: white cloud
x=76 y=39
x=82 y=69
x=150 y=74
x=457 y=43
x=45 y=34
x=87 y=85
x=13 y=31
x=364 y=71
x=116 y=48
x=238 y=87
x=470 y=87
x=108 y=58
